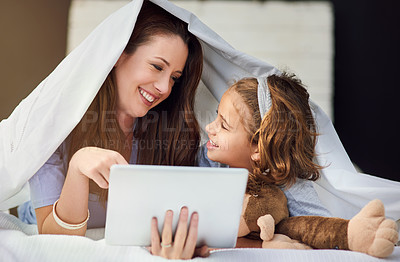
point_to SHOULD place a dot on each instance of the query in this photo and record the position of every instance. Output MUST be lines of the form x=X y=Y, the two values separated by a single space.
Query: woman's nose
x=163 y=84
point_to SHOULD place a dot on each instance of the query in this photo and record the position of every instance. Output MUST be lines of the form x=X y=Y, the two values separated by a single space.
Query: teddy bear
x=265 y=216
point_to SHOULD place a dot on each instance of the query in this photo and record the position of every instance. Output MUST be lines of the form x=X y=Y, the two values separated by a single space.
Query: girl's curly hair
x=286 y=136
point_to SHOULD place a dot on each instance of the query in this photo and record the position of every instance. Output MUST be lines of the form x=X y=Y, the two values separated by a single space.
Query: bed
x=20 y=242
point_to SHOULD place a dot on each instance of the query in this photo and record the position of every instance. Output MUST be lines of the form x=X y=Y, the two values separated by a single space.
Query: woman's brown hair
x=169 y=133
x=286 y=136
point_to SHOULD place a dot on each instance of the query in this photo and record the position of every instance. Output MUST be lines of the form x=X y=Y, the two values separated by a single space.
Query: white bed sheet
x=20 y=242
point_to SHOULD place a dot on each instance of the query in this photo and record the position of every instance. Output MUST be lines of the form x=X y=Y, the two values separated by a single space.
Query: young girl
x=277 y=148
x=275 y=141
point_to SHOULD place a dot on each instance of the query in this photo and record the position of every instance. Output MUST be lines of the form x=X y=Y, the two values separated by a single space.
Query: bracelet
x=65 y=224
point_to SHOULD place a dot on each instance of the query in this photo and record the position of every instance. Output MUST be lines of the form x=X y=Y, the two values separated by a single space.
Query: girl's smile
x=228 y=139
x=211 y=145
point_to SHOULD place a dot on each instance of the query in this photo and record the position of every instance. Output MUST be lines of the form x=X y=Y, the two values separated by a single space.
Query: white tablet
x=139 y=192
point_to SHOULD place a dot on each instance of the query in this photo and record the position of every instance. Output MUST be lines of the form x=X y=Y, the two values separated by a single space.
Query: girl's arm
x=303 y=200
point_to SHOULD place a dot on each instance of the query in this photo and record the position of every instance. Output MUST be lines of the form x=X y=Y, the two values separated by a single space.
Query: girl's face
x=145 y=78
x=229 y=141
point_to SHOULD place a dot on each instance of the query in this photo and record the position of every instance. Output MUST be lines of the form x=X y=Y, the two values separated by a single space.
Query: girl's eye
x=159 y=68
x=223 y=126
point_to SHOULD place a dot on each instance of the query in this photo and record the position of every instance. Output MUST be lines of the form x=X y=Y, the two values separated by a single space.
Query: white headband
x=264 y=96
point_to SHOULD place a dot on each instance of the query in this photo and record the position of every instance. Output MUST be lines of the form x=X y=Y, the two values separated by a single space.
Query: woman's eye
x=174 y=78
x=159 y=68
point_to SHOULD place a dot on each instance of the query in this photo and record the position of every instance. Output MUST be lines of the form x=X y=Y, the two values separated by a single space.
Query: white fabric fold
x=40 y=123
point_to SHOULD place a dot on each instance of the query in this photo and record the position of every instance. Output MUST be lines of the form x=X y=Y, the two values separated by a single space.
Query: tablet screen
x=139 y=192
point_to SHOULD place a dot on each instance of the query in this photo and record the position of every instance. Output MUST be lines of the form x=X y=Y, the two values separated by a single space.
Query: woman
x=156 y=75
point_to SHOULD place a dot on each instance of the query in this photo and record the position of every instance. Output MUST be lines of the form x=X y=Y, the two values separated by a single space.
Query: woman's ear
x=255 y=155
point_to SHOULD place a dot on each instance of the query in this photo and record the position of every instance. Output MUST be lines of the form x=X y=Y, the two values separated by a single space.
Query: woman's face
x=229 y=141
x=145 y=78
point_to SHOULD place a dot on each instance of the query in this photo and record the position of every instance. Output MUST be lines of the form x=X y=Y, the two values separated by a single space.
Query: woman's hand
x=184 y=245
x=94 y=163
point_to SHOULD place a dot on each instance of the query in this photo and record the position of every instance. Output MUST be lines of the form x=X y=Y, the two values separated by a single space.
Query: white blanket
x=20 y=242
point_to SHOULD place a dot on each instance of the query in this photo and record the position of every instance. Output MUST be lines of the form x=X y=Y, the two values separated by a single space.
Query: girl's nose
x=210 y=128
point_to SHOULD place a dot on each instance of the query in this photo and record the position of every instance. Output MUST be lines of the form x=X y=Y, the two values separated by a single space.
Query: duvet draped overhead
x=41 y=122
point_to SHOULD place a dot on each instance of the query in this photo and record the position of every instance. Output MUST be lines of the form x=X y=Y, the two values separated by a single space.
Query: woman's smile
x=147 y=97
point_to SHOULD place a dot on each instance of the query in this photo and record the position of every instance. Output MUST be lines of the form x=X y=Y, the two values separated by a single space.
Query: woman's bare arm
x=72 y=207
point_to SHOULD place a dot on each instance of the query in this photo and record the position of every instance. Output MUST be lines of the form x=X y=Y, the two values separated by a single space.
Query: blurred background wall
x=344 y=51
x=32 y=43
x=297 y=36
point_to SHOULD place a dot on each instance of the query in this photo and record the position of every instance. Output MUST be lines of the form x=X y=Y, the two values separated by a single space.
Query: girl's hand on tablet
x=184 y=245
x=94 y=163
